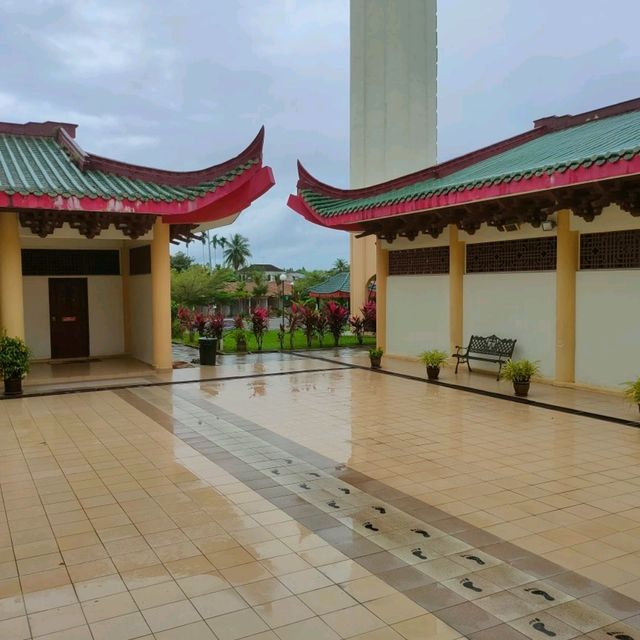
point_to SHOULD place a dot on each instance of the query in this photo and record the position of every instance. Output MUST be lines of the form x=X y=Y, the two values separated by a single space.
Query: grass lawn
x=270 y=342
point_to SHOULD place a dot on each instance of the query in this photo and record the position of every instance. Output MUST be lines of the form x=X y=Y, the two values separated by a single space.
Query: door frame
x=84 y=287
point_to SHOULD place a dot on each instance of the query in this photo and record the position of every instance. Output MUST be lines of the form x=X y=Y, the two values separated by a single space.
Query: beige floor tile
x=327 y=599
x=282 y=565
x=118 y=604
x=307 y=580
x=426 y=626
x=50 y=598
x=171 y=615
x=283 y=612
x=11 y=607
x=125 y=627
x=238 y=624
x=99 y=587
x=312 y=628
x=218 y=603
x=193 y=631
x=352 y=621
x=263 y=591
x=201 y=584
x=344 y=571
x=56 y=619
x=77 y=633
x=245 y=573
x=394 y=608
x=15 y=628
x=369 y=588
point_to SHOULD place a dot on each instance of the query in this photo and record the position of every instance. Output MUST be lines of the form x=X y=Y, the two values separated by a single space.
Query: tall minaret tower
x=393 y=104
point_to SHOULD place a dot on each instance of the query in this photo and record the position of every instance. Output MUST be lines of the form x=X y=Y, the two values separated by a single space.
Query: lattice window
x=429 y=260
x=530 y=254
x=140 y=260
x=610 y=250
x=61 y=262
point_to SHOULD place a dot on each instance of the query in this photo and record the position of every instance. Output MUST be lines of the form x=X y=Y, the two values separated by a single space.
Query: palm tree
x=260 y=287
x=215 y=243
x=340 y=266
x=237 y=251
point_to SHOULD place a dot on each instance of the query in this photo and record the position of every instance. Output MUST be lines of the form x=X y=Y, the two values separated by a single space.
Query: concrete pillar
x=567 y=265
x=382 y=272
x=126 y=305
x=456 y=288
x=393 y=104
x=11 y=295
x=161 y=297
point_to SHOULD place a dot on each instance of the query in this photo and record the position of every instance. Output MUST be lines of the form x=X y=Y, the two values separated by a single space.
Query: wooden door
x=69 y=317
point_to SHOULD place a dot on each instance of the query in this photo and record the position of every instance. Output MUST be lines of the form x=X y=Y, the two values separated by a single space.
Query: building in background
x=536 y=237
x=84 y=240
x=271 y=272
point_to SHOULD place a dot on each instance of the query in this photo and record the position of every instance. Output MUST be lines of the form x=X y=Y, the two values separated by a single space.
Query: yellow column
x=456 y=288
x=382 y=271
x=566 y=268
x=363 y=266
x=161 y=297
x=126 y=306
x=11 y=297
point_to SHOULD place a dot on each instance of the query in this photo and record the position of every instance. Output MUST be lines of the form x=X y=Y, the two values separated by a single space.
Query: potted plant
x=240 y=336
x=14 y=364
x=375 y=356
x=433 y=360
x=632 y=391
x=520 y=373
x=204 y=325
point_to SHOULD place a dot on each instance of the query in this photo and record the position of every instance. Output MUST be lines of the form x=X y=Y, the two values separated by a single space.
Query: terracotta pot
x=521 y=388
x=433 y=372
x=375 y=361
x=13 y=387
x=241 y=346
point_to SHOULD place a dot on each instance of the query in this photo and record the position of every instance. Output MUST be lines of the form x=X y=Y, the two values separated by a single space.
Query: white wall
x=514 y=305
x=141 y=319
x=105 y=315
x=417 y=314
x=607 y=327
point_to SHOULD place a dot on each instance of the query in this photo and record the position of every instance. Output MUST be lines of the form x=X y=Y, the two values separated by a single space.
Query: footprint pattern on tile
x=422 y=532
x=468 y=584
x=534 y=591
x=540 y=626
x=620 y=635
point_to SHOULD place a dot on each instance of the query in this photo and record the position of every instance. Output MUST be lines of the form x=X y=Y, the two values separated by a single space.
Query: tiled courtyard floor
x=335 y=503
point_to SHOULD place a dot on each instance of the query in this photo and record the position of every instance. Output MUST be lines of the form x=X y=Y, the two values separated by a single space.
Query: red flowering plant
x=199 y=323
x=259 y=324
x=292 y=318
x=337 y=317
x=357 y=327
x=308 y=318
x=321 y=326
x=184 y=316
x=238 y=322
x=368 y=311
x=215 y=326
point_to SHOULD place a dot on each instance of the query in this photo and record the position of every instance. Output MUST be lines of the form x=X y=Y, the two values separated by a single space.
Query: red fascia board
x=334 y=294
x=257 y=184
x=176 y=211
x=298 y=204
x=570 y=177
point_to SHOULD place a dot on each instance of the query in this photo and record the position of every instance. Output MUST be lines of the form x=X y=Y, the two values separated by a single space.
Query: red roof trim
x=46 y=129
x=226 y=200
x=542 y=126
x=581 y=175
x=88 y=161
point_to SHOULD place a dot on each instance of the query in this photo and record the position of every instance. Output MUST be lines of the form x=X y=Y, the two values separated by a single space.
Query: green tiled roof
x=339 y=282
x=595 y=142
x=39 y=166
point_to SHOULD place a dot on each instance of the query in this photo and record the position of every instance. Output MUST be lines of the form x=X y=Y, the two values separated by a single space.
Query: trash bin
x=208 y=348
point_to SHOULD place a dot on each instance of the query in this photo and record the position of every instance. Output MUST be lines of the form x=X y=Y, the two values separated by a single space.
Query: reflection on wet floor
x=333 y=504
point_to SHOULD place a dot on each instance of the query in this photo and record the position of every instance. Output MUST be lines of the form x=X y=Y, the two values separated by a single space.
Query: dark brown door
x=69 y=317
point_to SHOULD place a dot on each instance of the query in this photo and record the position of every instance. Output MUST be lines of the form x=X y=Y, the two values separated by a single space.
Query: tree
x=197 y=286
x=181 y=261
x=340 y=266
x=309 y=280
x=237 y=251
x=217 y=241
x=260 y=287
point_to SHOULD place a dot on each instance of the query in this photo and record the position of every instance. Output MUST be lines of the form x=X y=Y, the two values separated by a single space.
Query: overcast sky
x=183 y=85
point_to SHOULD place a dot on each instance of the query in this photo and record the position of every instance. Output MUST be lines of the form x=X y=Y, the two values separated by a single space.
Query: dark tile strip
x=421 y=588
x=484 y=392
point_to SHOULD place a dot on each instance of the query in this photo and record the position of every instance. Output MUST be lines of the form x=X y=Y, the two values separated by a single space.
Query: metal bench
x=487 y=349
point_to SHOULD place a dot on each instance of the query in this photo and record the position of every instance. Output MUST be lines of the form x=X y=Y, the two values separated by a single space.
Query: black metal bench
x=487 y=349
